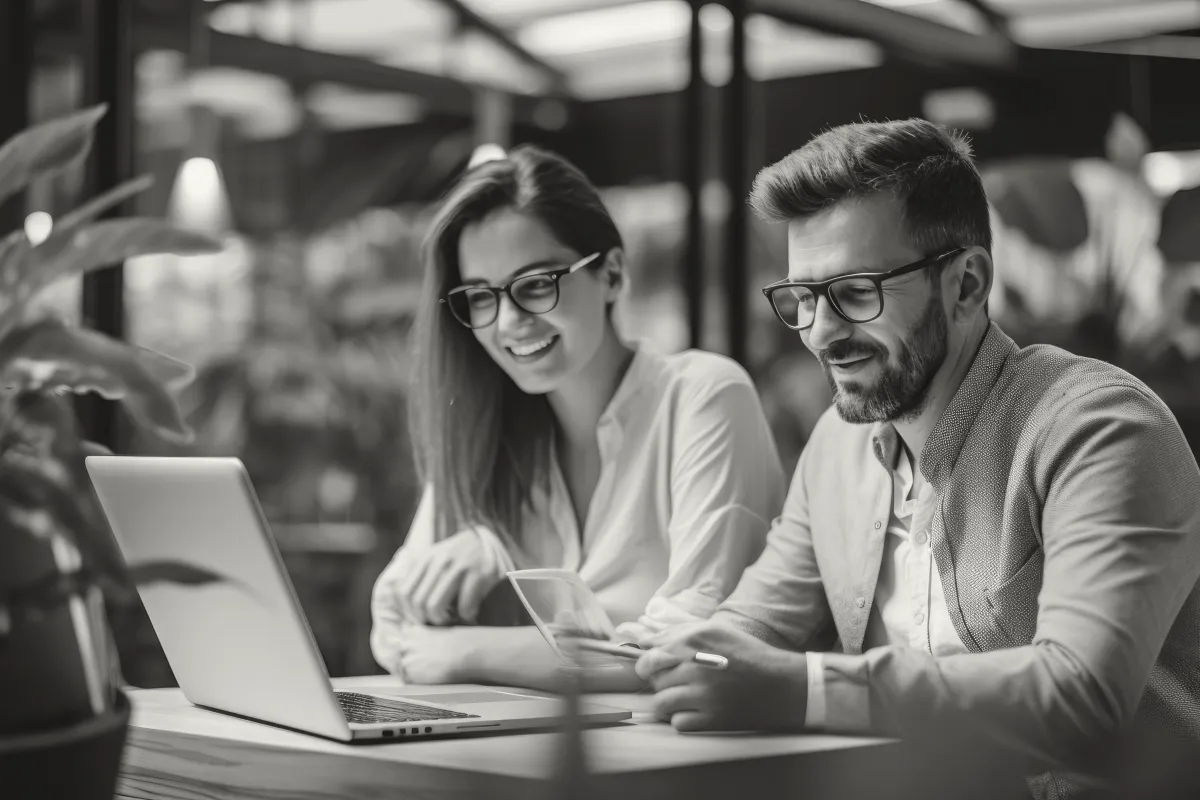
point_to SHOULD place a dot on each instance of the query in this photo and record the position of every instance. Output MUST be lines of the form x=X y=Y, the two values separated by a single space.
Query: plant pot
x=78 y=762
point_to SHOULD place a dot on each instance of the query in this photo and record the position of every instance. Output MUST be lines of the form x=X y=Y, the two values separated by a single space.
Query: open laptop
x=243 y=646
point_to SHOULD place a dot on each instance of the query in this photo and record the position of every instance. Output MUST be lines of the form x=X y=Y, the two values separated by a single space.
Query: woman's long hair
x=482 y=443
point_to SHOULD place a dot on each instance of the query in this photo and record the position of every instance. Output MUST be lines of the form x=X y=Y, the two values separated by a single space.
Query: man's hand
x=763 y=689
x=442 y=585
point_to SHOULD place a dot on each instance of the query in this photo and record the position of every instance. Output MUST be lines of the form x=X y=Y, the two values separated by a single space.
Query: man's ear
x=975 y=283
x=614 y=274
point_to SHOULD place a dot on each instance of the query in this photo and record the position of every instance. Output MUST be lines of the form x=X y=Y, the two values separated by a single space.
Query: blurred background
x=315 y=135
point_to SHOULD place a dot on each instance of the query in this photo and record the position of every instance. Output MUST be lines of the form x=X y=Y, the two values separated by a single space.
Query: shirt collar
x=946 y=439
x=642 y=367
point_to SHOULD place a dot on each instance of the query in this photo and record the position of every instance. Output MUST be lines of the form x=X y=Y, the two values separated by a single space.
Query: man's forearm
x=1037 y=701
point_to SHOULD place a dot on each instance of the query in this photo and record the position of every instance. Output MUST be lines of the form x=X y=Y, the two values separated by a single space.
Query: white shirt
x=910 y=608
x=689 y=481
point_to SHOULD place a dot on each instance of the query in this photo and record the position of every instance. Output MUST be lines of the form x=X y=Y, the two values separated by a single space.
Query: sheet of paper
x=563 y=607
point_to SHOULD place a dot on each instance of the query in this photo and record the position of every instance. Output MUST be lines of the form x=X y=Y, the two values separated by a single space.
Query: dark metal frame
x=693 y=276
x=735 y=112
x=108 y=71
x=16 y=70
x=468 y=18
x=907 y=36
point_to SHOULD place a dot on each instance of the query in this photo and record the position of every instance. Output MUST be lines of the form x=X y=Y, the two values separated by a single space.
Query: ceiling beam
x=907 y=36
x=471 y=19
x=513 y=18
x=300 y=66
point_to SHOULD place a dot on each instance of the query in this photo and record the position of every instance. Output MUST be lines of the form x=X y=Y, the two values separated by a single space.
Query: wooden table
x=176 y=750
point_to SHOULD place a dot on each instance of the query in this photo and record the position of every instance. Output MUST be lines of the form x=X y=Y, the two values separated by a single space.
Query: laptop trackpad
x=458 y=698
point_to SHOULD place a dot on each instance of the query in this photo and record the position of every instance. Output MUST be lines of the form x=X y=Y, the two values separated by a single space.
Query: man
x=1005 y=542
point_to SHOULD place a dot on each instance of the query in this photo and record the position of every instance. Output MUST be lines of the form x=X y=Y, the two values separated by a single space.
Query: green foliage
x=45 y=493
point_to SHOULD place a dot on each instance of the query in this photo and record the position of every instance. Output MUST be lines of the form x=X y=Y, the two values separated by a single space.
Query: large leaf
x=166 y=371
x=47 y=148
x=176 y=572
x=72 y=252
x=45 y=492
x=28 y=603
x=50 y=356
x=14 y=249
x=98 y=205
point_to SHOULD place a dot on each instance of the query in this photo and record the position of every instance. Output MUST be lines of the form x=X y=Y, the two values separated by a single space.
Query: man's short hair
x=926 y=166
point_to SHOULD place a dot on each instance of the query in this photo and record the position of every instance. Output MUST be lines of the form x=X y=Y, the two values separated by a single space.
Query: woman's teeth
x=530 y=349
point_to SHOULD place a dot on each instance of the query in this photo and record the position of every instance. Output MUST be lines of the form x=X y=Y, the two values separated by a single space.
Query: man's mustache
x=841 y=351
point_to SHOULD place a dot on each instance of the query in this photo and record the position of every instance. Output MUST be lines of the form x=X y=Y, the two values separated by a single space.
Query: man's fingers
x=677 y=699
x=654 y=661
x=683 y=674
x=693 y=721
x=692 y=635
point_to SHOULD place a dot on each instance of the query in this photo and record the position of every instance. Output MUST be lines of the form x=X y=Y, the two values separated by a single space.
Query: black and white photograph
x=599 y=399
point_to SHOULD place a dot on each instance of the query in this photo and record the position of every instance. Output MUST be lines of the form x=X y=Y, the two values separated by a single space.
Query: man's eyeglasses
x=477 y=305
x=856 y=298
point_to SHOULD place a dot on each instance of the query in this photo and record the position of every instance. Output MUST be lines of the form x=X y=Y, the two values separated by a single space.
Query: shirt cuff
x=847 y=693
x=814 y=712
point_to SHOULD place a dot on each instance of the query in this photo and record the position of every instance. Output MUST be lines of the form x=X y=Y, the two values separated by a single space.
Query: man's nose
x=828 y=326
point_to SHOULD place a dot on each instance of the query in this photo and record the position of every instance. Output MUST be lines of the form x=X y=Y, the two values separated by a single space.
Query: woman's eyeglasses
x=477 y=305
x=856 y=298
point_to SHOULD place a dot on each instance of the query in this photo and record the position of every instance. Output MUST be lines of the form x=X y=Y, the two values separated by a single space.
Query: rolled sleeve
x=815 y=710
x=780 y=598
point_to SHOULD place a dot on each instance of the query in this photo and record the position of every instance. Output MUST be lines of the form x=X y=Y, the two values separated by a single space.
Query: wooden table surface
x=176 y=750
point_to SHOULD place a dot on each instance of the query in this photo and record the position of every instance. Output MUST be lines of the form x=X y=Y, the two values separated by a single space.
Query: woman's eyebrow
x=545 y=262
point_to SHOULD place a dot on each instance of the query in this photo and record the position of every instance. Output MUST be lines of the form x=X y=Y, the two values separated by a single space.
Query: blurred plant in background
x=60 y=571
x=311 y=395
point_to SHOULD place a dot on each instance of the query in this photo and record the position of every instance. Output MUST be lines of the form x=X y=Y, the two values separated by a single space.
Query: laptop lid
x=242 y=645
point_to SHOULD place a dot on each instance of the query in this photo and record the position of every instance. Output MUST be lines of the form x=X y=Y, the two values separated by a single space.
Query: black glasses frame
x=555 y=274
x=821 y=288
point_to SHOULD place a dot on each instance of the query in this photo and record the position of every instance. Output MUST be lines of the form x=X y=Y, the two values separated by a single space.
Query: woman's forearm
x=521 y=657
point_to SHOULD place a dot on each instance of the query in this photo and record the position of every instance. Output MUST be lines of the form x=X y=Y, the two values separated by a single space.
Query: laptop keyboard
x=364 y=708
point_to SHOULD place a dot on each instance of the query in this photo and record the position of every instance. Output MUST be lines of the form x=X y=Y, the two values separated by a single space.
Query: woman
x=545 y=440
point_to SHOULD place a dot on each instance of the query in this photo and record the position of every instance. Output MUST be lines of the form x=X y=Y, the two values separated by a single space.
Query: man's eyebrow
x=831 y=277
x=859 y=271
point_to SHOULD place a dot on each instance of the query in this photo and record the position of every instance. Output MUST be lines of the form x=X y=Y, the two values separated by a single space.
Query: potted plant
x=61 y=699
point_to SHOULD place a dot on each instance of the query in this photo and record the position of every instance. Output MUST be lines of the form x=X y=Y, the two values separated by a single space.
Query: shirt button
x=878 y=525
x=921 y=537
x=920 y=617
x=862 y=601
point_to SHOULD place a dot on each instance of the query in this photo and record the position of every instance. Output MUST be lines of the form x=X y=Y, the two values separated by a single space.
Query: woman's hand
x=440 y=585
x=435 y=655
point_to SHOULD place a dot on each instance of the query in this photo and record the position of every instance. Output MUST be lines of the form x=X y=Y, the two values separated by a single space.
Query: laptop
x=242 y=645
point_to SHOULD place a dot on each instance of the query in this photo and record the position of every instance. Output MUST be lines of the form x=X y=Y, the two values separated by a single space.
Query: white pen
x=632 y=651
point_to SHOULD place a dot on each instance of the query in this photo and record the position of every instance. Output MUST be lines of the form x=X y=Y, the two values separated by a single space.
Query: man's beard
x=901 y=391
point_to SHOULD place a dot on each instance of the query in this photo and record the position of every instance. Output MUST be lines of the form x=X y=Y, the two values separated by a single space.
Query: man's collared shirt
x=910 y=607
x=1065 y=532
